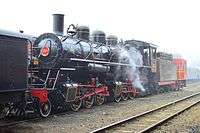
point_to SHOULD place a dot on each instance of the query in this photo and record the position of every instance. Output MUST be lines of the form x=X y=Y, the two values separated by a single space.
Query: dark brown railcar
x=13 y=67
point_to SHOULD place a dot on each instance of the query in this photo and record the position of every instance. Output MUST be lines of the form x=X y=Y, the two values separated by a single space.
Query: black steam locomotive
x=54 y=71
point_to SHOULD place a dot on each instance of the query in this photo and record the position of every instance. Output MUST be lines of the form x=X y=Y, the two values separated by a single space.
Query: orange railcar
x=181 y=71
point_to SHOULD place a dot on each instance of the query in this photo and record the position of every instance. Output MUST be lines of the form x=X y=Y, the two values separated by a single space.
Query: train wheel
x=124 y=96
x=117 y=98
x=131 y=95
x=99 y=99
x=88 y=102
x=44 y=109
x=76 y=105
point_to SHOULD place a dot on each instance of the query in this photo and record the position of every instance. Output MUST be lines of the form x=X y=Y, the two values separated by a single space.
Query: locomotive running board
x=67 y=69
x=105 y=62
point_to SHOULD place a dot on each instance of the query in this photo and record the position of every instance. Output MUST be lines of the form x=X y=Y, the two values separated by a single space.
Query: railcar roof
x=16 y=34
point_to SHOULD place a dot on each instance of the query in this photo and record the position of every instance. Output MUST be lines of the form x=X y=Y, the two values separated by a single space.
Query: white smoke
x=133 y=57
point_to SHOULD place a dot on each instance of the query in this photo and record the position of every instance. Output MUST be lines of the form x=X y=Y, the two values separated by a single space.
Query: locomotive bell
x=58 y=23
x=99 y=37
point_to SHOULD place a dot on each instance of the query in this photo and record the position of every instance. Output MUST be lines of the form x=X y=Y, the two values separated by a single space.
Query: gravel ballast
x=87 y=120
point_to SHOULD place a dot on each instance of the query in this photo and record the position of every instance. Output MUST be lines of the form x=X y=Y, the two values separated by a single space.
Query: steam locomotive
x=54 y=71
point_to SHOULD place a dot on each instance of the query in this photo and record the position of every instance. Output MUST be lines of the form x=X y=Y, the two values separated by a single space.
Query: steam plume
x=134 y=58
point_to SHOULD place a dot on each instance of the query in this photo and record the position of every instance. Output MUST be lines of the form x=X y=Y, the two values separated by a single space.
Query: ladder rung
x=48 y=78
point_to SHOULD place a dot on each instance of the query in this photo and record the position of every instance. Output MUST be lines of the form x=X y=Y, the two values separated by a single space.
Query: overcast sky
x=173 y=25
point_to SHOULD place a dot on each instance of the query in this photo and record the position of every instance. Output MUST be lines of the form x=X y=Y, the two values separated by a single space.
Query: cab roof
x=139 y=43
x=16 y=34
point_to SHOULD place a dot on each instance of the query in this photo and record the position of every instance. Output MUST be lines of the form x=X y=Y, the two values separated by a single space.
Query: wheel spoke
x=124 y=96
x=76 y=105
x=45 y=109
x=100 y=99
x=89 y=101
x=131 y=95
x=117 y=98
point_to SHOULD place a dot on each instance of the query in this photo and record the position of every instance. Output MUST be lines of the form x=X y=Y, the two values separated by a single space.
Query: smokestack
x=58 y=23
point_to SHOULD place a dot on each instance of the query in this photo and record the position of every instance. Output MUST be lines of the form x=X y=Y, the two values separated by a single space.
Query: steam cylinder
x=58 y=23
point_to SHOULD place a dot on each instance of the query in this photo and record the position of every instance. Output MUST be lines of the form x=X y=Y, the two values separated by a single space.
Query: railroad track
x=192 y=84
x=150 y=120
x=7 y=123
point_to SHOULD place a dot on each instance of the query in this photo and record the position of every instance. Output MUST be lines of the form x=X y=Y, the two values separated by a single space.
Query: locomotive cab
x=148 y=52
x=148 y=69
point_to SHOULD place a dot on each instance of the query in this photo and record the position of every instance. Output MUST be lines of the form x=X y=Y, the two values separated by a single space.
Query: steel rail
x=154 y=126
x=8 y=123
x=118 y=123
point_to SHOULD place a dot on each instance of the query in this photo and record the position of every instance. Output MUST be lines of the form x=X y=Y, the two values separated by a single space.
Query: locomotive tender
x=54 y=71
